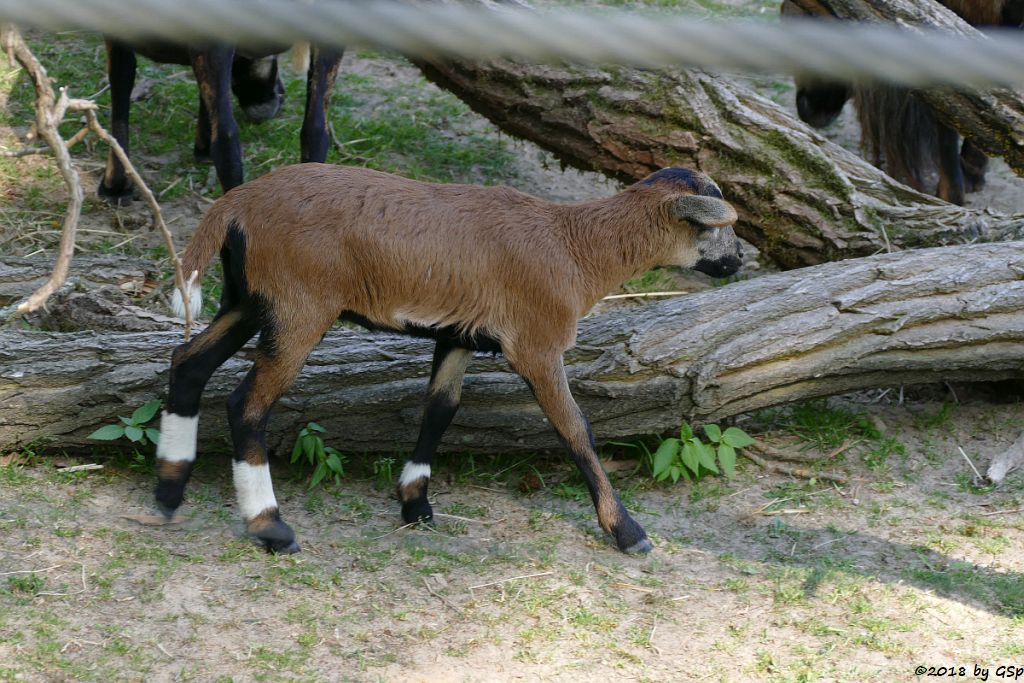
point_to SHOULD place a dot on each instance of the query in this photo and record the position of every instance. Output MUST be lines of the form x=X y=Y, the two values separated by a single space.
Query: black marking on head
x=697 y=183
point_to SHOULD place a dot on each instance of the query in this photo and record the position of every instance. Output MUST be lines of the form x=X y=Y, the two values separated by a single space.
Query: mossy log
x=801 y=199
x=992 y=118
x=954 y=313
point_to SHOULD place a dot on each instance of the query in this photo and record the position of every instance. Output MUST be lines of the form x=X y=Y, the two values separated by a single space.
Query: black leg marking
x=323 y=69
x=212 y=68
x=443 y=396
x=546 y=378
x=192 y=364
x=115 y=186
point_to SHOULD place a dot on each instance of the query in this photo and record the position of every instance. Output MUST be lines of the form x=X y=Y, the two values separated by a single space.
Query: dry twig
x=801 y=472
x=50 y=111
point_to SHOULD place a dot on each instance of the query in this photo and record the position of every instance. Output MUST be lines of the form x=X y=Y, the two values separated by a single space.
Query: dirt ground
x=764 y=577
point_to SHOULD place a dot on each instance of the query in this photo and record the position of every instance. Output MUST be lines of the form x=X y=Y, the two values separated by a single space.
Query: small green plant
x=133 y=428
x=382 y=469
x=325 y=460
x=689 y=457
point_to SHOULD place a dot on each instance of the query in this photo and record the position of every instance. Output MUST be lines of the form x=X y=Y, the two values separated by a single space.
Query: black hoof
x=641 y=547
x=278 y=538
x=169 y=495
x=631 y=538
x=417 y=511
x=115 y=197
x=277 y=549
x=202 y=156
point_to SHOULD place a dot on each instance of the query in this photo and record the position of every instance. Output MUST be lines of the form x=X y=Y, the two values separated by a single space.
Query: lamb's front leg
x=442 y=403
x=546 y=376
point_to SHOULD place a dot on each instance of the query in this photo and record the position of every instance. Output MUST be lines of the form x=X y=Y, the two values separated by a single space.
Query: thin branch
x=46 y=125
x=50 y=111
x=154 y=207
x=801 y=472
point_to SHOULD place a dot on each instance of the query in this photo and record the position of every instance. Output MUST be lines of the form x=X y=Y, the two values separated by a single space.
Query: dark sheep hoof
x=417 y=511
x=116 y=197
x=641 y=547
x=631 y=538
x=278 y=538
x=282 y=549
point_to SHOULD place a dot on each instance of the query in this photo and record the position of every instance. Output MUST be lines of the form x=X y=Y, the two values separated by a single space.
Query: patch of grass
x=960 y=580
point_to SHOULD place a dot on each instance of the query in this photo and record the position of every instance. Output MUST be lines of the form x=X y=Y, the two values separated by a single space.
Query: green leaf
x=313 y=426
x=727 y=457
x=309 y=447
x=108 y=433
x=153 y=434
x=675 y=471
x=126 y=420
x=334 y=463
x=318 y=474
x=689 y=456
x=297 y=449
x=664 y=456
x=146 y=411
x=736 y=437
x=319 y=448
x=685 y=432
x=706 y=456
x=133 y=433
x=714 y=433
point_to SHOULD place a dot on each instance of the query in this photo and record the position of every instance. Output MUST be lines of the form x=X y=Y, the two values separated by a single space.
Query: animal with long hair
x=899 y=131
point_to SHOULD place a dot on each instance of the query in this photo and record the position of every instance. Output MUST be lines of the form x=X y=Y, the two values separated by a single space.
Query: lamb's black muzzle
x=720 y=267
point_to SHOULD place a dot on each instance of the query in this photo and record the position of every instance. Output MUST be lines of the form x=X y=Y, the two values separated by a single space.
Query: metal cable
x=842 y=50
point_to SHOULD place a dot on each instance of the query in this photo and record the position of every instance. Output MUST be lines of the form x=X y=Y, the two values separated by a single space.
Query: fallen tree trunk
x=802 y=199
x=953 y=313
x=20 y=276
x=993 y=119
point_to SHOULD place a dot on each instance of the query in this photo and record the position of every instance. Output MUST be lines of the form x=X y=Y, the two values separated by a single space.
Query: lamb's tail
x=207 y=241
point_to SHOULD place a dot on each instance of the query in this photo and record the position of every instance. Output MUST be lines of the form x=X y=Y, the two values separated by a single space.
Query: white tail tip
x=195 y=298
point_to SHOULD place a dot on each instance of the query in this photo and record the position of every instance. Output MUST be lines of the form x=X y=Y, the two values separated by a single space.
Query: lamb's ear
x=710 y=211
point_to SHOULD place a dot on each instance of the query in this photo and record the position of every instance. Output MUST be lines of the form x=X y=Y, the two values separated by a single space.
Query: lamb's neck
x=612 y=240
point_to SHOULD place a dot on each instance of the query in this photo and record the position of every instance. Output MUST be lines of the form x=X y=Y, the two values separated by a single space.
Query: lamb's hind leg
x=546 y=377
x=192 y=364
x=279 y=358
x=442 y=402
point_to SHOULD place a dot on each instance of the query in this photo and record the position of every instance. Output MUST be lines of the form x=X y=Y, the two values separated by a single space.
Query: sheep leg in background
x=212 y=68
x=951 y=177
x=443 y=396
x=546 y=377
x=974 y=163
x=121 y=66
x=323 y=70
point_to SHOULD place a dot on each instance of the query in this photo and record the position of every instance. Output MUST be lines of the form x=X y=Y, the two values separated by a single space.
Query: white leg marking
x=177 y=437
x=195 y=297
x=254 y=489
x=413 y=471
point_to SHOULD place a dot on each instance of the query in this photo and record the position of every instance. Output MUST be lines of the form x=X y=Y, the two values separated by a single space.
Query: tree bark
x=993 y=119
x=20 y=276
x=954 y=313
x=801 y=199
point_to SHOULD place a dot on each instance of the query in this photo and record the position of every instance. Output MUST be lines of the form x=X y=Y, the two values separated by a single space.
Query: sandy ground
x=765 y=577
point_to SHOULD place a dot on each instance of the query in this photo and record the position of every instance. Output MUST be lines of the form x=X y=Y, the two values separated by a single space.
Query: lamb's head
x=695 y=206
